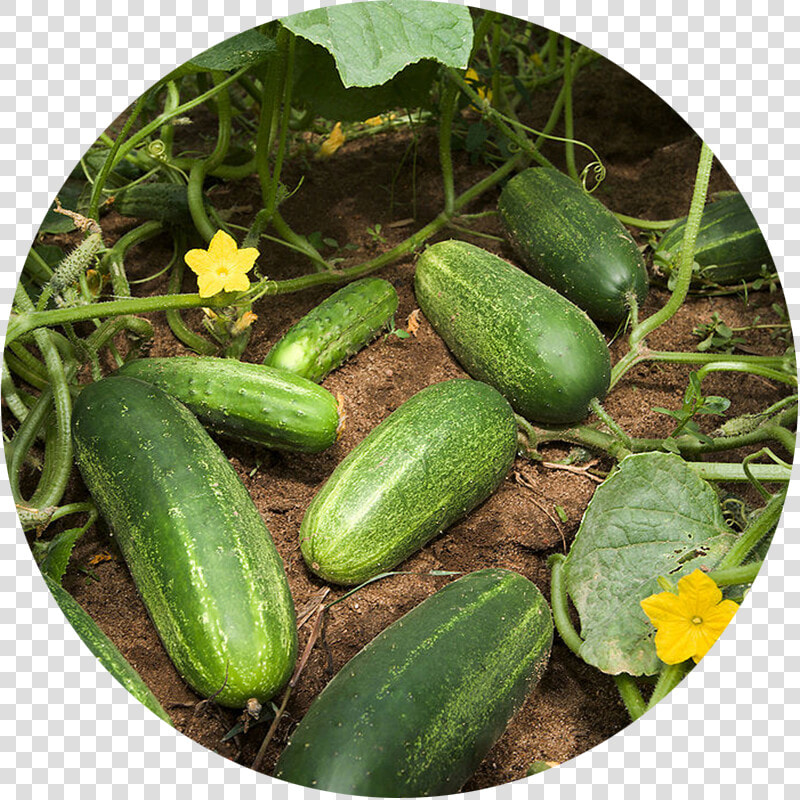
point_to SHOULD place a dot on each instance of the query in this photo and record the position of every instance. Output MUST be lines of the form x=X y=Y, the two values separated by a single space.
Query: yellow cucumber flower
x=222 y=267
x=688 y=623
x=334 y=141
x=472 y=78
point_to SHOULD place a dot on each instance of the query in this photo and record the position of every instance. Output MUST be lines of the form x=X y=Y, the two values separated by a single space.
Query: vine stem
x=647 y=224
x=569 y=126
x=756 y=531
x=647 y=326
x=669 y=677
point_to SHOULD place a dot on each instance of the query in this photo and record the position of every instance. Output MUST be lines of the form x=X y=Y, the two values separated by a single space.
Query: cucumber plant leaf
x=654 y=516
x=246 y=48
x=318 y=86
x=373 y=42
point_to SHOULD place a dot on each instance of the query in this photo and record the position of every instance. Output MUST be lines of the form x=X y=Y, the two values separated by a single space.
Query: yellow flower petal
x=237 y=283
x=209 y=284
x=373 y=121
x=243 y=261
x=334 y=141
x=663 y=608
x=198 y=261
x=222 y=248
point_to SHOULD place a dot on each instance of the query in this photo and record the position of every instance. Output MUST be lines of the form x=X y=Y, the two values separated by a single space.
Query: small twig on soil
x=262 y=751
x=583 y=471
x=523 y=481
x=310 y=607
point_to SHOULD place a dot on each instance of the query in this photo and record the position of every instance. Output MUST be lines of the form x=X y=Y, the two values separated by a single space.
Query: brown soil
x=651 y=158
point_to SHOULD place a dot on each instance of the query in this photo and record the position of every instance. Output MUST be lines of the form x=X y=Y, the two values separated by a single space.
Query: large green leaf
x=654 y=516
x=373 y=42
x=249 y=47
x=319 y=87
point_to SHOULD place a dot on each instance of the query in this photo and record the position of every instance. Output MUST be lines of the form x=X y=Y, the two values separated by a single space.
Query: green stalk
x=630 y=695
x=115 y=154
x=755 y=532
x=58 y=444
x=646 y=224
x=114 y=260
x=749 y=368
x=201 y=168
x=736 y=576
x=447 y=109
x=481 y=32
x=642 y=354
x=671 y=675
x=769 y=473
x=569 y=124
x=647 y=326
x=560 y=605
x=611 y=424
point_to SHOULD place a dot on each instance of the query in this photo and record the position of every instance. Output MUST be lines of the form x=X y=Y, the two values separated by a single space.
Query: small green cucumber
x=417 y=710
x=569 y=240
x=196 y=546
x=249 y=402
x=336 y=329
x=730 y=246
x=165 y=202
x=508 y=329
x=104 y=649
x=429 y=463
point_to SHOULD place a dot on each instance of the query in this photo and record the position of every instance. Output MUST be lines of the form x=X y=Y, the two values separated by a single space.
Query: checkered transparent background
x=730 y=68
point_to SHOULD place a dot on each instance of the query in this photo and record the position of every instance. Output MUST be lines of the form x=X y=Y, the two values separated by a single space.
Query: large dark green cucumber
x=335 y=329
x=729 y=248
x=416 y=711
x=430 y=462
x=197 y=548
x=259 y=404
x=511 y=331
x=105 y=650
x=572 y=242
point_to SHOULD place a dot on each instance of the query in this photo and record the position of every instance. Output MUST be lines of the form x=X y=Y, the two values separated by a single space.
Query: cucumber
x=429 y=463
x=730 y=247
x=196 y=546
x=569 y=240
x=249 y=402
x=416 y=711
x=104 y=649
x=165 y=202
x=336 y=329
x=506 y=328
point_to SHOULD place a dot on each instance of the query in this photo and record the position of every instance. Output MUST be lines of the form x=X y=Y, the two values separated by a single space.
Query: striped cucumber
x=416 y=711
x=429 y=463
x=730 y=247
x=336 y=329
x=569 y=240
x=249 y=402
x=506 y=328
x=104 y=649
x=196 y=546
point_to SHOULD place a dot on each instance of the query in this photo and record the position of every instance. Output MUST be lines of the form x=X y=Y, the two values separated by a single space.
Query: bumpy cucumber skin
x=249 y=402
x=165 y=202
x=429 y=463
x=416 y=711
x=730 y=246
x=506 y=328
x=105 y=650
x=194 y=542
x=335 y=329
x=572 y=242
